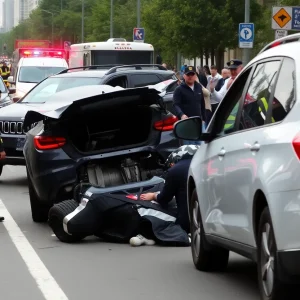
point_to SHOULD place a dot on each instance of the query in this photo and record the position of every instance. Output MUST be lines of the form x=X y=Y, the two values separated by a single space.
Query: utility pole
x=138 y=13
x=247 y=52
x=82 y=22
x=111 y=19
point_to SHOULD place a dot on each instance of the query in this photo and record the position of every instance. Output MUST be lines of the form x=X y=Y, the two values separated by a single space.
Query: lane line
x=44 y=280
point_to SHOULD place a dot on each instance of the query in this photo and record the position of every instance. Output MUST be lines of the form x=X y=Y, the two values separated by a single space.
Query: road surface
x=36 y=266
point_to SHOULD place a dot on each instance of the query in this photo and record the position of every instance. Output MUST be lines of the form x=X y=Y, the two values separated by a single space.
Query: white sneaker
x=139 y=240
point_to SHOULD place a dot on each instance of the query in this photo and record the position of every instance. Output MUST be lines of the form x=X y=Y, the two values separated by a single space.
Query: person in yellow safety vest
x=263 y=108
x=231 y=119
x=4 y=71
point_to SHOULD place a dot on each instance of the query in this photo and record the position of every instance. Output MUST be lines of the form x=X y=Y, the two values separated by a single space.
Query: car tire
x=57 y=214
x=206 y=257
x=271 y=288
x=39 y=210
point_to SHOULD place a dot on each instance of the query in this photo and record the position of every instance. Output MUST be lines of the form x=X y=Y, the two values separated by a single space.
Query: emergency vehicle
x=112 y=52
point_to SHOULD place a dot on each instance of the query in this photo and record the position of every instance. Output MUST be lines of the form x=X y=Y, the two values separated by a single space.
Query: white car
x=244 y=181
x=32 y=70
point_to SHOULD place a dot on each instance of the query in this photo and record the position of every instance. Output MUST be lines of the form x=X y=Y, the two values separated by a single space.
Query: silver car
x=244 y=181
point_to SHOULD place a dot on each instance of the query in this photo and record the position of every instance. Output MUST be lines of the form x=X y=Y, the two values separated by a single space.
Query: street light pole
x=111 y=19
x=246 y=52
x=138 y=13
x=82 y=22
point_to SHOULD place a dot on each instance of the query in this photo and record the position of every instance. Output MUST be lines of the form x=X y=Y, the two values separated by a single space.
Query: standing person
x=4 y=71
x=213 y=80
x=202 y=77
x=235 y=66
x=206 y=71
x=2 y=156
x=177 y=164
x=225 y=75
x=188 y=100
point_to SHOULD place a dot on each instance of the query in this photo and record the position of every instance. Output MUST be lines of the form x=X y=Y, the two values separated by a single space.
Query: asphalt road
x=97 y=270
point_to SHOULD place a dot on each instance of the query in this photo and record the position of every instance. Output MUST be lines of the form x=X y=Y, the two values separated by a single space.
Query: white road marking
x=44 y=280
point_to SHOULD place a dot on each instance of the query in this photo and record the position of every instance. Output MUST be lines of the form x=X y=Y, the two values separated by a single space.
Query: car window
x=37 y=74
x=256 y=108
x=140 y=80
x=232 y=99
x=284 y=96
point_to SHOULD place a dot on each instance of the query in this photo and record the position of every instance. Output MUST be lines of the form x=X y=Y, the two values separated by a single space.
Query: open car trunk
x=114 y=128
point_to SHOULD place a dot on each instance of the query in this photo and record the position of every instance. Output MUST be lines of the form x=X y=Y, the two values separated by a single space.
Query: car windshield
x=37 y=74
x=2 y=87
x=44 y=91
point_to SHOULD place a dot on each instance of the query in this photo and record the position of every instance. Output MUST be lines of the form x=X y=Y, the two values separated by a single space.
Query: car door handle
x=222 y=152
x=255 y=147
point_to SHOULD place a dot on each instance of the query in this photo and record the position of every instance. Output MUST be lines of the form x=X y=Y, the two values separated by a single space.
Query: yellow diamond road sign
x=282 y=18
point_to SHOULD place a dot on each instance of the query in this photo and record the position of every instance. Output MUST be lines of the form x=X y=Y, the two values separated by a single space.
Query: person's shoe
x=139 y=240
x=1 y=219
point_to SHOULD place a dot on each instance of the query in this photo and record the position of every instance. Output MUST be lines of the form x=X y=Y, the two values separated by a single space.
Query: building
x=22 y=9
x=8 y=15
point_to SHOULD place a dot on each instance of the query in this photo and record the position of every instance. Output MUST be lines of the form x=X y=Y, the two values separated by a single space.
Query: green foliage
x=190 y=27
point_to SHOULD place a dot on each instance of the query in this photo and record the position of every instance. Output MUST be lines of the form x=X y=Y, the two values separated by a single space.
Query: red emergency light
x=58 y=53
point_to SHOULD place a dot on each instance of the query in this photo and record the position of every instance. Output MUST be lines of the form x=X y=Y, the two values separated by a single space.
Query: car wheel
x=39 y=210
x=271 y=288
x=56 y=216
x=205 y=256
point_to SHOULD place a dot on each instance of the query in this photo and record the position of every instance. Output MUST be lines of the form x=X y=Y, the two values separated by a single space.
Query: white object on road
x=44 y=280
x=139 y=240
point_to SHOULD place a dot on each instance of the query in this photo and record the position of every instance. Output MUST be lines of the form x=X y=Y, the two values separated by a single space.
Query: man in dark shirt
x=189 y=101
x=2 y=156
x=178 y=164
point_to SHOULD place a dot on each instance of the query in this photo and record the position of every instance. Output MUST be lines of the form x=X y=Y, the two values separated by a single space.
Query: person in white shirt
x=235 y=66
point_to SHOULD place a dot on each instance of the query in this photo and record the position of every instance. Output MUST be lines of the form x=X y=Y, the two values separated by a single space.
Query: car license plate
x=20 y=144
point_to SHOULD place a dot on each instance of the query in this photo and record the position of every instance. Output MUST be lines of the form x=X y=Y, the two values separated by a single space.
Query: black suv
x=126 y=76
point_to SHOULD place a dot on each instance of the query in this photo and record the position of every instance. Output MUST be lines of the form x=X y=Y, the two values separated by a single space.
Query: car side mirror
x=16 y=99
x=10 y=79
x=11 y=91
x=188 y=129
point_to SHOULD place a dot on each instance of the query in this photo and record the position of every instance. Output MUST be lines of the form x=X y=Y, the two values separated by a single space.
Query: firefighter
x=2 y=156
x=4 y=71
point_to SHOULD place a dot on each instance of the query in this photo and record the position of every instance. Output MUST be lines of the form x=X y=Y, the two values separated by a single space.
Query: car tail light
x=166 y=124
x=48 y=142
x=296 y=145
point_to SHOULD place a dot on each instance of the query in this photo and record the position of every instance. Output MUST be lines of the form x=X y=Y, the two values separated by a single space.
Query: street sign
x=280 y=34
x=139 y=35
x=246 y=35
x=296 y=18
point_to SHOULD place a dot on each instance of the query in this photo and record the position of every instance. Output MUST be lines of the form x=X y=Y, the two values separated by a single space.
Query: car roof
x=289 y=50
x=102 y=73
x=43 y=61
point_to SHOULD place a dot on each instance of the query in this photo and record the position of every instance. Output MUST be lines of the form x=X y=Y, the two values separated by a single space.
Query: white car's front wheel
x=205 y=256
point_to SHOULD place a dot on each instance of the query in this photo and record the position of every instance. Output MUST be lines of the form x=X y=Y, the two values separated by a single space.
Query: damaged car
x=102 y=136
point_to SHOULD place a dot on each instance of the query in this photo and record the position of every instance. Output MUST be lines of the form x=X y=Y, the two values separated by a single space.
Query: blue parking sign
x=296 y=18
x=138 y=34
x=246 y=35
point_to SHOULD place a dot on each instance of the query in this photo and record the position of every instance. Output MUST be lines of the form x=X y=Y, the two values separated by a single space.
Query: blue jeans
x=187 y=142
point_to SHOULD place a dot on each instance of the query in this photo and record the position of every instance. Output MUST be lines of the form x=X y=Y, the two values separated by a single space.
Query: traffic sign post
x=139 y=35
x=280 y=34
x=286 y=18
x=246 y=35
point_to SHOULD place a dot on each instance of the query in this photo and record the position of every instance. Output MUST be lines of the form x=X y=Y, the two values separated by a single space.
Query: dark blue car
x=101 y=136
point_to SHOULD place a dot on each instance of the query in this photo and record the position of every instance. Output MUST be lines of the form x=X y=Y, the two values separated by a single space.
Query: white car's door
x=245 y=149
